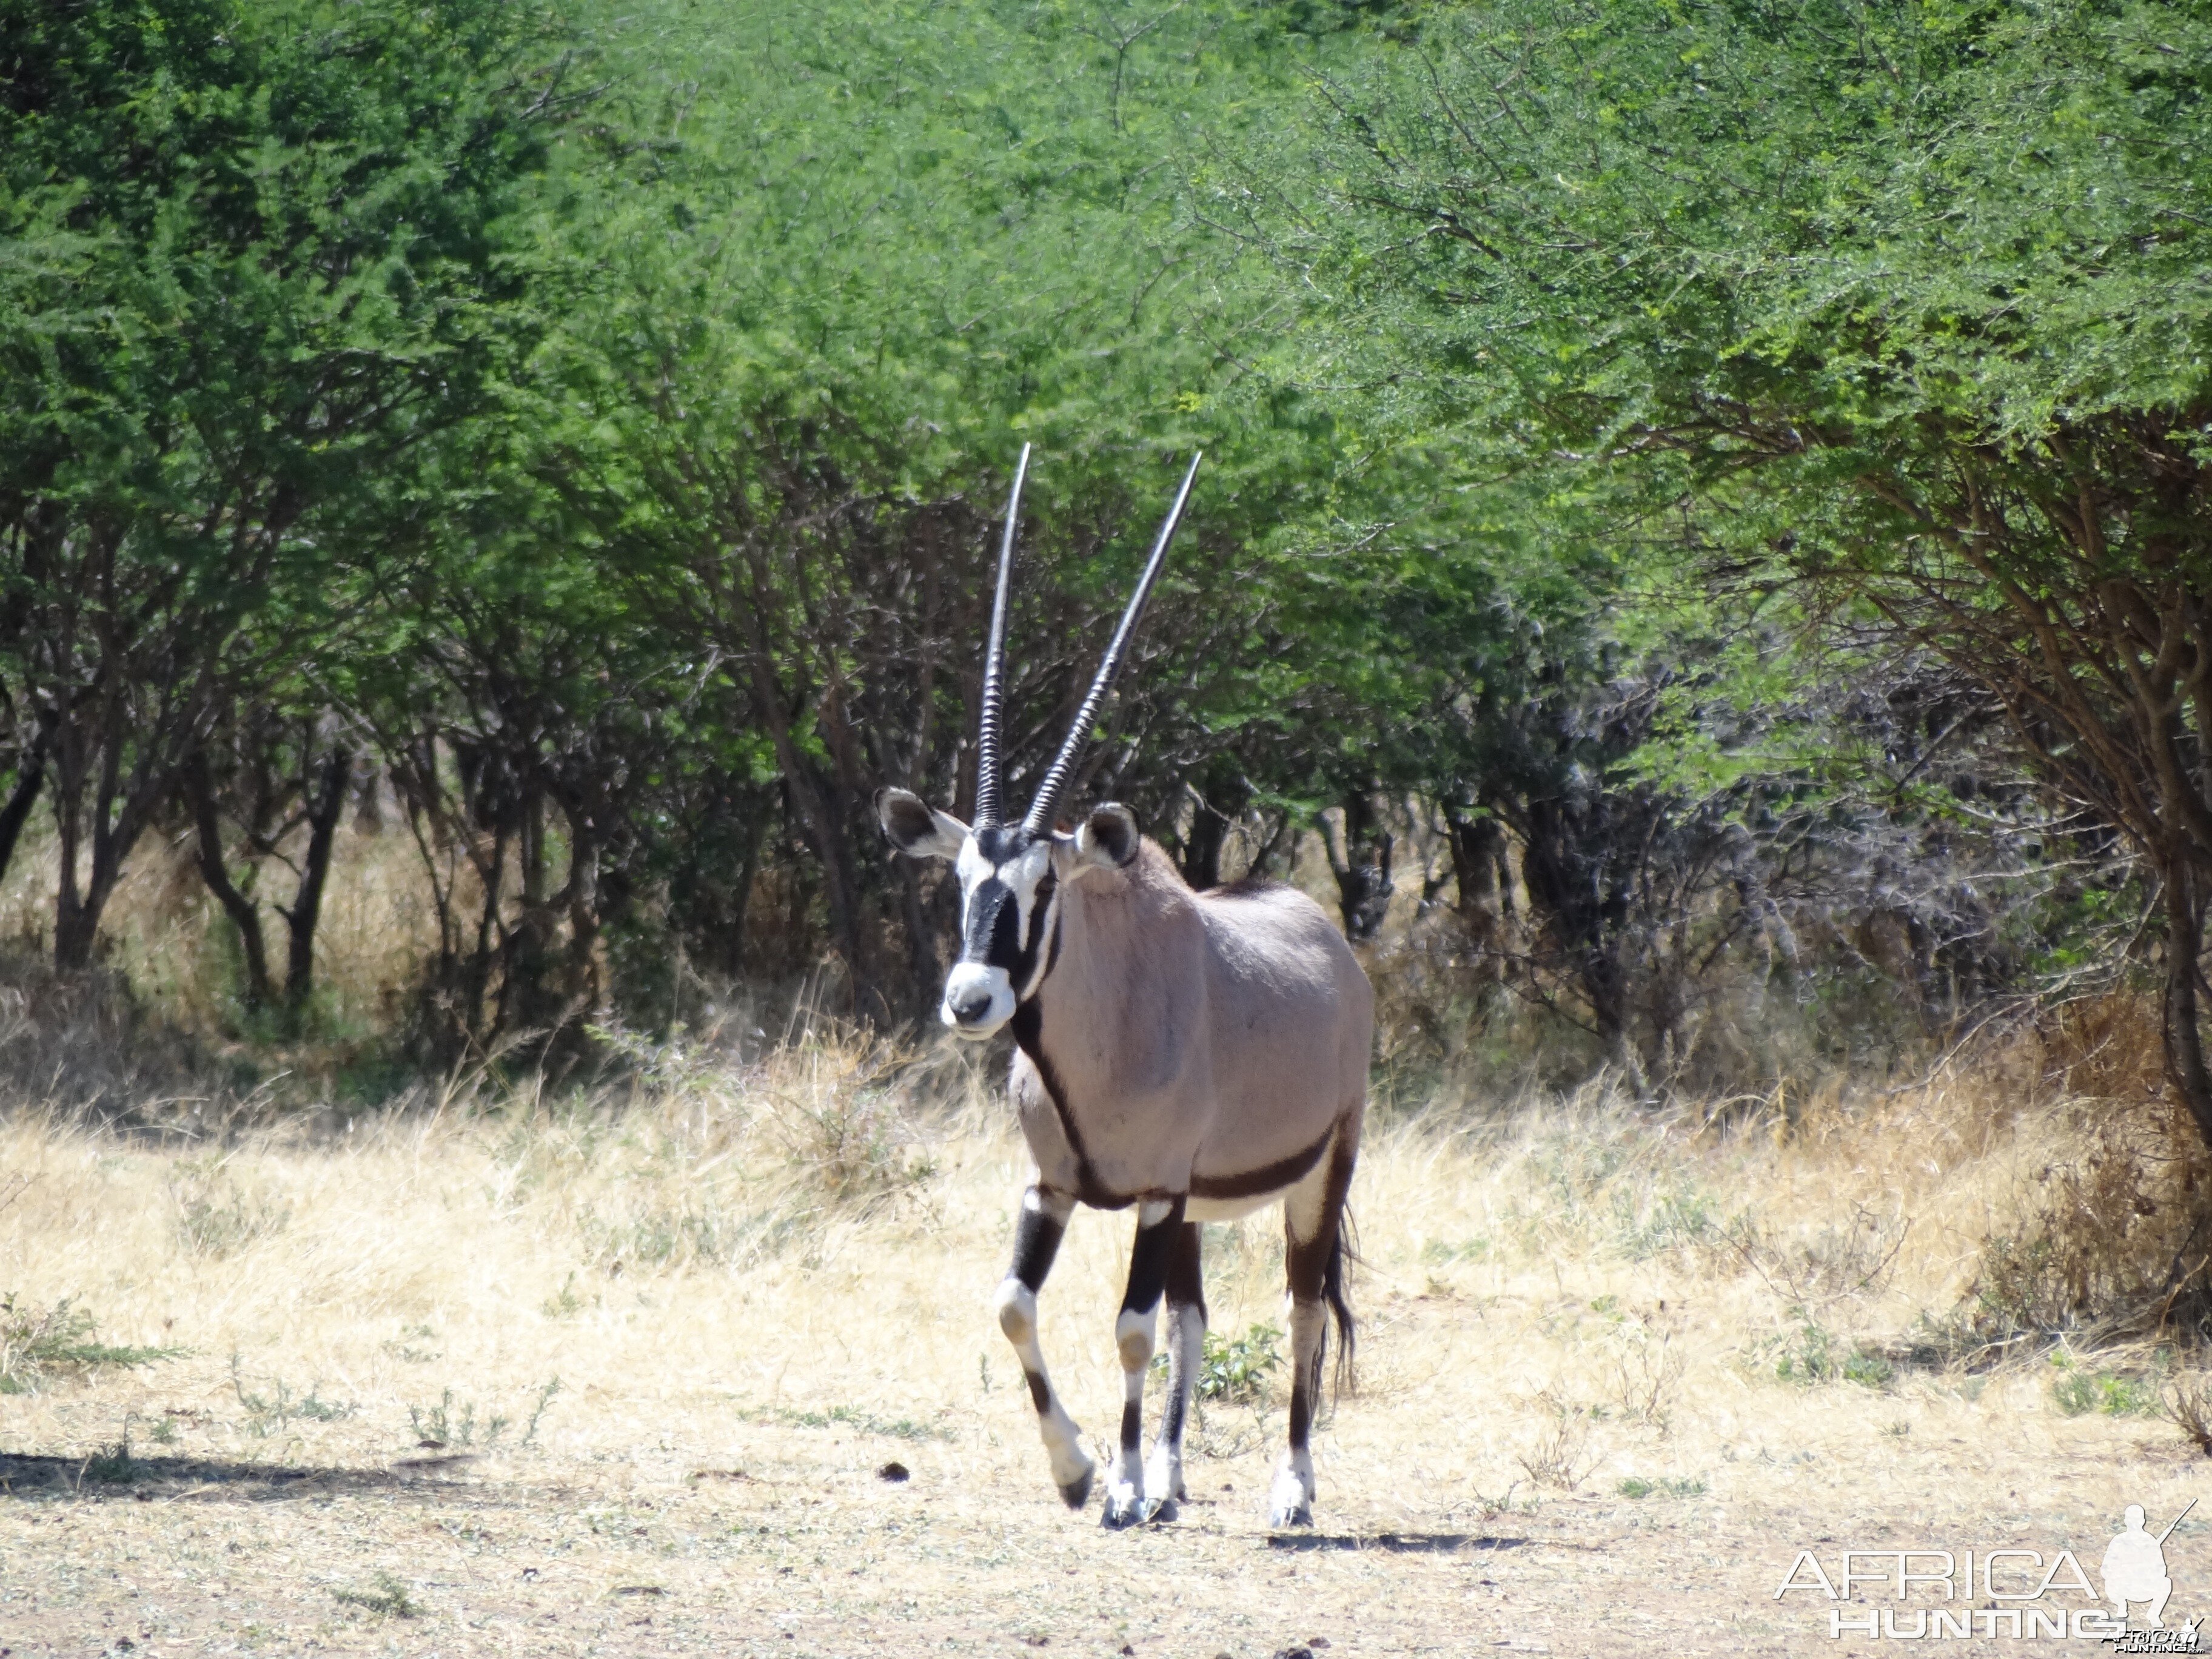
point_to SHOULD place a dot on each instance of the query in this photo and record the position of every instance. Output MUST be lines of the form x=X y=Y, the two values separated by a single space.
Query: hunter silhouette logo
x=2134 y=1566
x=2022 y=1593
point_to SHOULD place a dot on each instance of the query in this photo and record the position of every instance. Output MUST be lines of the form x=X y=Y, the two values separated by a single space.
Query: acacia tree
x=1906 y=300
x=255 y=267
x=864 y=265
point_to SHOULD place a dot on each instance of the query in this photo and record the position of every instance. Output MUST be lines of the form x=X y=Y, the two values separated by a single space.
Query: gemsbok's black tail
x=1342 y=1254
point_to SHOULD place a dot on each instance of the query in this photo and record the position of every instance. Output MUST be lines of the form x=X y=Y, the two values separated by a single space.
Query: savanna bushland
x=1704 y=563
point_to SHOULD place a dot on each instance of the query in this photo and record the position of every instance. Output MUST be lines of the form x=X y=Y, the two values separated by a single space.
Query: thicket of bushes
x=1706 y=510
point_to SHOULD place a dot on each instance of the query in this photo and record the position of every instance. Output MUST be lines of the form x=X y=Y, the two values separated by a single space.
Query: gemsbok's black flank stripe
x=1269 y=1178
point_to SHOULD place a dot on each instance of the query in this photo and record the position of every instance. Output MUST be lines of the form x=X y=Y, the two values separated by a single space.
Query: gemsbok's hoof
x=1160 y=1509
x=1075 y=1488
x=1125 y=1507
x=1291 y=1504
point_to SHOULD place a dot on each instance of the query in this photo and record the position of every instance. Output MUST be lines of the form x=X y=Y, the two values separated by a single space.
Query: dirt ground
x=775 y=1539
x=1583 y=1427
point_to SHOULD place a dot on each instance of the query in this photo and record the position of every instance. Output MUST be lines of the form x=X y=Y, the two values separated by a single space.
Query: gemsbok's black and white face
x=1010 y=879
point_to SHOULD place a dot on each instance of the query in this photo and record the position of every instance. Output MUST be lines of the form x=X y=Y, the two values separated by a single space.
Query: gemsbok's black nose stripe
x=994 y=925
x=994 y=934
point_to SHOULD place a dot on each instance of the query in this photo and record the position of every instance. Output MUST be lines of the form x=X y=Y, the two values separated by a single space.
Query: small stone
x=892 y=1471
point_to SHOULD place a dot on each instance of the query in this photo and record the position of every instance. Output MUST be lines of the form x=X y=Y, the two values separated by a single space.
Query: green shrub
x=1237 y=1369
x=36 y=1342
x=1815 y=1354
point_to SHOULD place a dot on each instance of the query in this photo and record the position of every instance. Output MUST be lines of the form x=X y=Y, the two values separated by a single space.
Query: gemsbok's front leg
x=1158 y=1221
x=1036 y=1241
x=1186 y=1337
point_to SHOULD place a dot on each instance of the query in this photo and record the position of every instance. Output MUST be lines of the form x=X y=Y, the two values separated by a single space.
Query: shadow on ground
x=1396 y=1543
x=116 y=1473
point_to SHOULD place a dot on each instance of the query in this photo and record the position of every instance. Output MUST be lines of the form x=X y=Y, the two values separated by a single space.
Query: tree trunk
x=2184 y=1039
x=1216 y=800
x=29 y=775
x=1478 y=847
x=78 y=905
x=323 y=813
x=245 y=914
x=1362 y=869
x=585 y=918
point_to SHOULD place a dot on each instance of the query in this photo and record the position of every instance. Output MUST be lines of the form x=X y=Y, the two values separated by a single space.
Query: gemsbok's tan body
x=1195 y=1055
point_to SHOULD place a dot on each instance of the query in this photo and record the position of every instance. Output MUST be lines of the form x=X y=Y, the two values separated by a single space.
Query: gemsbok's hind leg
x=1313 y=1227
x=1036 y=1241
x=1186 y=1333
x=1158 y=1220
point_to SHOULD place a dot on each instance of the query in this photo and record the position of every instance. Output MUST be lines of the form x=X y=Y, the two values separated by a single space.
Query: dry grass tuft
x=2188 y=1402
x=2105 y=1048
x=1559 y=1455
x=2114 y=1241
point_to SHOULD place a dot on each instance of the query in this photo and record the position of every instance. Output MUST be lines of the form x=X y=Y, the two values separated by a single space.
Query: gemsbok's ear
x=918 y=829
x=1107 y=840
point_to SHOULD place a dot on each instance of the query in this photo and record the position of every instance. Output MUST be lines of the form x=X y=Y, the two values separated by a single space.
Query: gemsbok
x=1196 y=1054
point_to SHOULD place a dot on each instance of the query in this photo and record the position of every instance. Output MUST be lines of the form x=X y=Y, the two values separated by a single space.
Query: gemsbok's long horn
x=1048 y=795
x=994 y=664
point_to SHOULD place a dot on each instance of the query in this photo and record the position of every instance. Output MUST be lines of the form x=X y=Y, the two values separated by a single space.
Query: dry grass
x=1616 y=1368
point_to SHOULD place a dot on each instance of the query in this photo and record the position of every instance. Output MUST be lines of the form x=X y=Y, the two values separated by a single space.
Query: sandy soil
x=727 y=1534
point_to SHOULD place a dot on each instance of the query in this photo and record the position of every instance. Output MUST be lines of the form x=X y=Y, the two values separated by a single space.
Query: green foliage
x=1813 y=1354
x=1667 y=1485
x=113 y=1465
x=445 y=1427
x=1667 y=1221
x=385 y=1595
x=587 y=425
x=2078 y=1389
x=538 y=1410
x=1437 y=1252
x=1237 y=1369
x=35 y=1342
x=273 y=1413
x=256 y=267
x=895 y=1428
x=1682 y=222
x=1902 y=303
